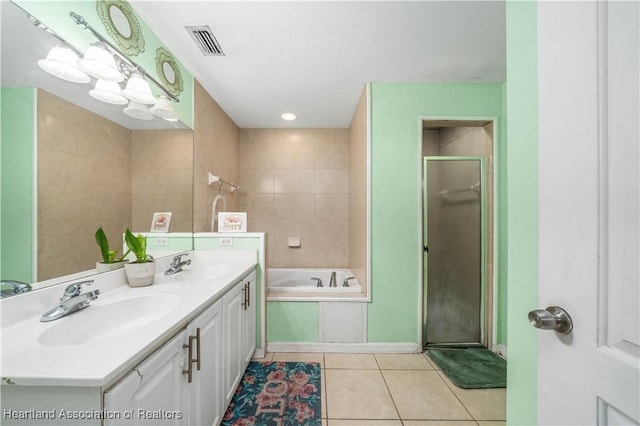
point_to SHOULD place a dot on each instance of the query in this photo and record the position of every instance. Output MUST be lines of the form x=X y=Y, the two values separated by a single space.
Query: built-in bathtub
x=286 y=280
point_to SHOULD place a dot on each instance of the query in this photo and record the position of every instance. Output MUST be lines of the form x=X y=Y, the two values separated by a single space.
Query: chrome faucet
x=318 y=281
x=345 y=283
x=13 y=287
x=177 y=264
x=332 y=280
x=72 y=301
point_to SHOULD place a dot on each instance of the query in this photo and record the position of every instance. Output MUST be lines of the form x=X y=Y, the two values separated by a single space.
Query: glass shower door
x=454 y=211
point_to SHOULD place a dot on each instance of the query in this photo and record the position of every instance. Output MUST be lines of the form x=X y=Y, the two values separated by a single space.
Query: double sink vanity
x=170 y=353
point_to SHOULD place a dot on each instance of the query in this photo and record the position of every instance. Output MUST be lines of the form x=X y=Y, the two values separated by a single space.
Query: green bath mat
x=471 y=368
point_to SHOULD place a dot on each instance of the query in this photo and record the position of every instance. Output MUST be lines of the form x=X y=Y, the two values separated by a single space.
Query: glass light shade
x=164 y=109
x=63 y=63
x=100 y=63
x=138 y=110
x=138 y=90
x=109 y=92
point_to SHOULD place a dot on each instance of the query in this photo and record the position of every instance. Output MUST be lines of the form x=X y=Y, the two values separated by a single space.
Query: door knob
x=552 y=318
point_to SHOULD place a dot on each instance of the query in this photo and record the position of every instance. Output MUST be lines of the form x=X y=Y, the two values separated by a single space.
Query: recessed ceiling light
x=288 y=116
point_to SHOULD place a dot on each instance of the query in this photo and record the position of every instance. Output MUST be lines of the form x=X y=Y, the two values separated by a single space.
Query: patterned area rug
x=277 y=393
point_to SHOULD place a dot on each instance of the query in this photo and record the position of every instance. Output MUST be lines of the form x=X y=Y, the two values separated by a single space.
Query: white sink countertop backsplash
x=31 y=357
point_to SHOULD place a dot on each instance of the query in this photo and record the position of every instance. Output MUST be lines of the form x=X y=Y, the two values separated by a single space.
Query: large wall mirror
x=92 y=165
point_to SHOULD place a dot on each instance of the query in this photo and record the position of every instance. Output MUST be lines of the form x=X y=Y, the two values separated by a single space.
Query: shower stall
x=455 y=245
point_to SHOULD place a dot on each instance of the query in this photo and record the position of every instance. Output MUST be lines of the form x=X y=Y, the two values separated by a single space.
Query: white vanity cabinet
x=157 y=383
x=185 y=377
x=249 y=319
x=192 y=378
x=179 y=383
x=205 y=396
x=239 y=332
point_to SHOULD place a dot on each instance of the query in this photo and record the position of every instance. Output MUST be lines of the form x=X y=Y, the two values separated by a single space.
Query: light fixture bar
x=79 y=20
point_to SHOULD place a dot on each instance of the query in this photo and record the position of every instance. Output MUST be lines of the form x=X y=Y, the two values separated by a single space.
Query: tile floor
x=396 y=390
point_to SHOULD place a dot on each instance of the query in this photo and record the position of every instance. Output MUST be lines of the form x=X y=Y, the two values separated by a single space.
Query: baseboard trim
x=397 y=348
x=259 y=353
x=500 y=350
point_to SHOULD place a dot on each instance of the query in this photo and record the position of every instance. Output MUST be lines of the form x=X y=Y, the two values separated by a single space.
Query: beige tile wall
x=162 y=178
x=84 y=181
x=295 y=182
x=358 y=191
x=215 y=150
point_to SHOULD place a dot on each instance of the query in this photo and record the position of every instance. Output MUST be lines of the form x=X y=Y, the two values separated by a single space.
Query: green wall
x=522 y=175
x=292 y=322
x=18 y=115
x=396 y=241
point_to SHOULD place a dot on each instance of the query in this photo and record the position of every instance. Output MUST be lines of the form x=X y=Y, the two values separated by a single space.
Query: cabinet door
x=249 y=319
x=154 y=393
x=232 y=308
x=206 y=396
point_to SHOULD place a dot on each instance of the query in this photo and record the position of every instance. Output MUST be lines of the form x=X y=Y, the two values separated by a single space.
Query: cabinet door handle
x=198 y=348
x=189 y=370
x=244 y=296
x=248 y=293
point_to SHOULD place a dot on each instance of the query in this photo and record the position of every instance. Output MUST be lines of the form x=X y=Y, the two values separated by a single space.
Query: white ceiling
x=313 y=58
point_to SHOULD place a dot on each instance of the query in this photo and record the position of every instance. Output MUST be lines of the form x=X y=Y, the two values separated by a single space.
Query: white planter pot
x=140 y=274
x=106 y=267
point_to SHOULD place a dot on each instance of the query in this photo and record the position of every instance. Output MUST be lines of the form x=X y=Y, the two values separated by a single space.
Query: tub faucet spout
x=318 y=282
x=332 y=280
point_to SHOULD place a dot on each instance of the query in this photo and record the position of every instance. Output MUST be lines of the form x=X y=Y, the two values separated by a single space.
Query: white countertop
x=26 y=360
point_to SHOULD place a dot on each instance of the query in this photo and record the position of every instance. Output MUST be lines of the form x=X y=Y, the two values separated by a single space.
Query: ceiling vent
x=205 y=40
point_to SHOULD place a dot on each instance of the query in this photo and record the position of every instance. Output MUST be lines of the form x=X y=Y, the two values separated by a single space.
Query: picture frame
x=161 y=222
x=232 y=222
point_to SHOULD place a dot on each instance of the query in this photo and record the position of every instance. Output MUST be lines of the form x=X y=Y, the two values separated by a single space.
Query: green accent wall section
x=18 y=115
x=522 y=219
x=55 y=14
x=396 y=162
x=292 y=322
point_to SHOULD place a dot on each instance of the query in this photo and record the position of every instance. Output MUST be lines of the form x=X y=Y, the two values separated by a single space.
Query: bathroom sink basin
x=101 y=321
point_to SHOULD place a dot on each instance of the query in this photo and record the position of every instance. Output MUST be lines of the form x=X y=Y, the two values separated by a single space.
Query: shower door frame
x=483 y=247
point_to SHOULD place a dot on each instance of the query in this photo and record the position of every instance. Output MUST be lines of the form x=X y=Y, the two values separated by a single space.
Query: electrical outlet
x=226 y=241
x=162 y=241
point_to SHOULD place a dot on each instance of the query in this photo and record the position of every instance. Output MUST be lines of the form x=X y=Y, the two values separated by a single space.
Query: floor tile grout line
x=395 y=406
x=440 y=374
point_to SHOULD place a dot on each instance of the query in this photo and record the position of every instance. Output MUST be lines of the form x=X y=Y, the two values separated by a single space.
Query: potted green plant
x=110 y=261
x=140 y=272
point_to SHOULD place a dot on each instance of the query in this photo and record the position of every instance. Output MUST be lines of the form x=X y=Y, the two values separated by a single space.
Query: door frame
x=492 y=285
x=483 y=240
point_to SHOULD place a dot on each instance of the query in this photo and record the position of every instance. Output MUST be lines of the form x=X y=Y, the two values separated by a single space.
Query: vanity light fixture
x=138 y=90
x=98 y=62
x=164 y=109
x=62 y=62
x=288 y=116
x=138 y=110
x=109 y=92
x=110 y=66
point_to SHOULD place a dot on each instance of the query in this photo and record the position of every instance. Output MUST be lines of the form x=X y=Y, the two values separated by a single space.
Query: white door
x=589 y=235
